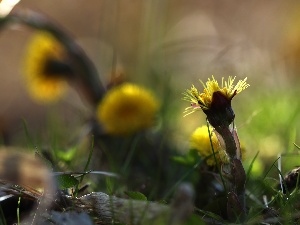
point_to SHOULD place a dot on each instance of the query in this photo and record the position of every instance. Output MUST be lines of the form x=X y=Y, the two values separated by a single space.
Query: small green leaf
x=194 y=220
x=179 y=159
x=110 y=186
x=67 y=156
x=135 y=195
x=189 y=159
x=216 y=218
x=66 y=181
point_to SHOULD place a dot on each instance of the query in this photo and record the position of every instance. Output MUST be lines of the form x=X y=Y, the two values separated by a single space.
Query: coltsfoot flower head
x=215 y=100
x=45 y=69
x=127 y=108
x=200 y=141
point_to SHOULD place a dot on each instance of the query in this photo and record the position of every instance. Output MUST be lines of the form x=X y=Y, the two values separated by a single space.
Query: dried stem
x=110 y=208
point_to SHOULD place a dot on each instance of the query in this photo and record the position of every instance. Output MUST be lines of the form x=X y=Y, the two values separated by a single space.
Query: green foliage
x=189 y=159
x=110 y=185
x=66 y=181
x=18 y=210
x=134 y=195
x=250 y=167
x=194 y=220
x=66 y=156
x=2 y=217
x=214 y=218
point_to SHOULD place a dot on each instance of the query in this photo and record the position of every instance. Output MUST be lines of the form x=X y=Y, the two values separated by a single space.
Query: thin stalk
x=131 y=152
x=250 y=167
x=229 y=141
x=168 y=194
x=18 y=210
x=236 y=196
x=86 y=166
x=2 y=218
x=214 y=154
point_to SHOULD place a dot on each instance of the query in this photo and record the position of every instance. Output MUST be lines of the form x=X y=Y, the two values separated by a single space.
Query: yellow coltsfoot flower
x=45 y=68
x=127 y=108
x=215 y=100
x=200 y=141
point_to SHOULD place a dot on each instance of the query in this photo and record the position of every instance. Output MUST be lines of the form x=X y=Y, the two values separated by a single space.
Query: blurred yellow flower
x=200 y=141
x=127 y=108
x=205 y=99
x=45 y=83
x=289 y=45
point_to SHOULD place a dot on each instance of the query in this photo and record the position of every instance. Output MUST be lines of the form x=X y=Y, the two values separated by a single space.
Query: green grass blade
x=250 y=168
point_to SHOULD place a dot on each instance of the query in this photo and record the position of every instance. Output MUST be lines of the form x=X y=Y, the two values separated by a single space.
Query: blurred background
x=168 y=45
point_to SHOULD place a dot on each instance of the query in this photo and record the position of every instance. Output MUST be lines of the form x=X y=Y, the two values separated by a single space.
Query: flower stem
x=236 y=205
x=230 y=144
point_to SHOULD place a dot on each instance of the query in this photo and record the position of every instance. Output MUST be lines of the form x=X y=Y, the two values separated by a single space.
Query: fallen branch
x=110 y=209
